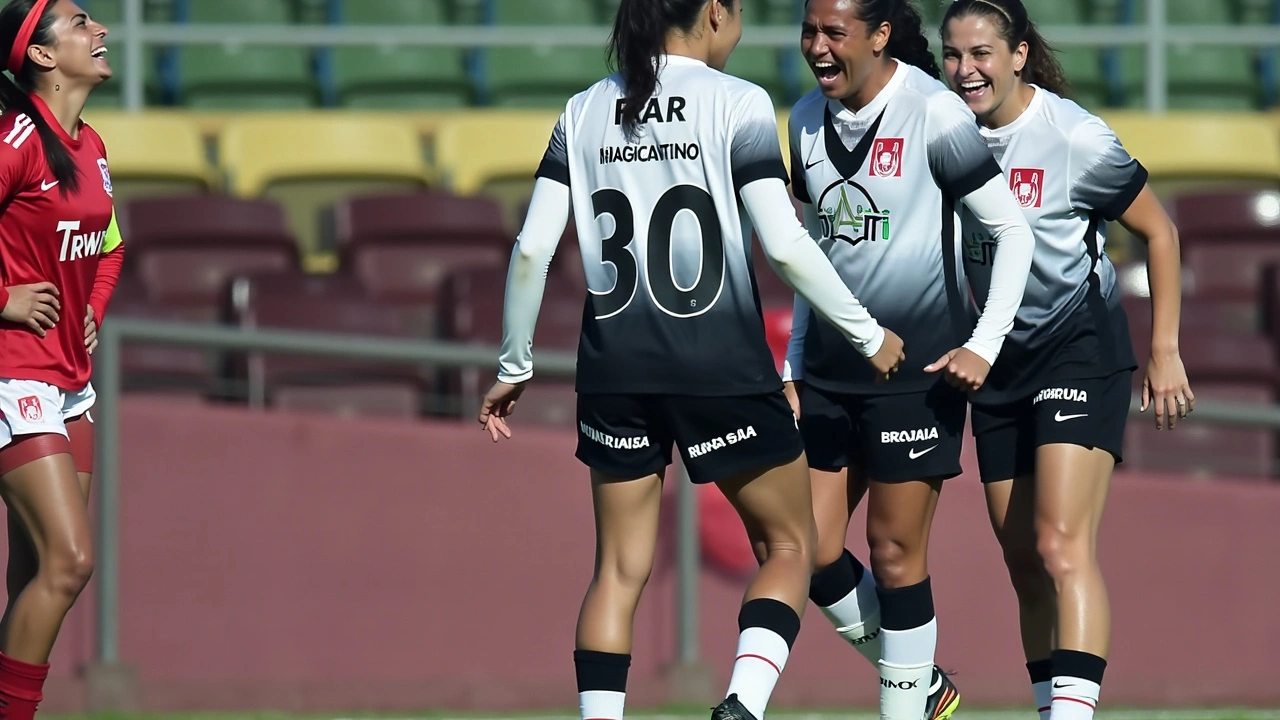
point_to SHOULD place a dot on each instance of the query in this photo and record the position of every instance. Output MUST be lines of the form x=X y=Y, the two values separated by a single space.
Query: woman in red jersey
x=59 y=257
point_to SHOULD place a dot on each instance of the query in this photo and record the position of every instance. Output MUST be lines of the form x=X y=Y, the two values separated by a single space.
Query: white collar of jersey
x=873 y=108
x=679 y=60
x=1033 y=108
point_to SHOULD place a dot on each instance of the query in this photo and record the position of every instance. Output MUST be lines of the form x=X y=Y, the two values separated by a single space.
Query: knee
x=799 y=541
x=1063 y=550
x=69 y=568
x=894 y=561
x=627 y=573
x=1026 y=570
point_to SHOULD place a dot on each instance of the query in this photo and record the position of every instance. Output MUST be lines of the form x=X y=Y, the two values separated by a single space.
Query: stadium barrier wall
x=315 y=563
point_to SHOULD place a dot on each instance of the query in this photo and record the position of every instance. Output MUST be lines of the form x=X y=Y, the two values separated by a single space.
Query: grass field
x=690 y=714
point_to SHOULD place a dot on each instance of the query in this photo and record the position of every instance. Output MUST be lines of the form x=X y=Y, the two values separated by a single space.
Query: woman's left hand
x=1166 y=386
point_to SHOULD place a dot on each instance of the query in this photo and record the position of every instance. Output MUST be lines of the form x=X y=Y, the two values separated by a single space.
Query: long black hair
x=1014 y=27
x=14 y=93
x=907 y=41
x=639 y=34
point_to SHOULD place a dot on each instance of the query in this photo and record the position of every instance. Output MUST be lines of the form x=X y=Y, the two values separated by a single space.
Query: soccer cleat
x=731 y=709
x=944 y=698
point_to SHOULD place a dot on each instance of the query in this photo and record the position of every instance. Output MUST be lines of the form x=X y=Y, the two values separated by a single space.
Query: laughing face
x=79 y=51
x=978 y=64
x=840 y=49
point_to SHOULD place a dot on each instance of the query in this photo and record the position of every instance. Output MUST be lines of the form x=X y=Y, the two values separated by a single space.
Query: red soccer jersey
x=48 y=237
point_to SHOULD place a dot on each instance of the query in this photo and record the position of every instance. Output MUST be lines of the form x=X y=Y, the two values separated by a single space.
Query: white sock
x=601 y=704
x=1074 y=698
x=1044 y=696
x=906 y=671
x=904 y=690
x=857 y=618
x=762 y=654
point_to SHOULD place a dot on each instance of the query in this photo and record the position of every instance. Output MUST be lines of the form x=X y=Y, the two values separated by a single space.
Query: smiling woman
x=62 y=255
x=883 y=160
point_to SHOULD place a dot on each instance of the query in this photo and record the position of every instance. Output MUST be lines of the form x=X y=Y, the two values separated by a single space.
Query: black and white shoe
x=731 y=709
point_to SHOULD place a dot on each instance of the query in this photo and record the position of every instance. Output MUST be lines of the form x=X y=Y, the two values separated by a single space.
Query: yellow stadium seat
x=153 y=147
x=1179 y=145
x=474 y=149
x=256 y=151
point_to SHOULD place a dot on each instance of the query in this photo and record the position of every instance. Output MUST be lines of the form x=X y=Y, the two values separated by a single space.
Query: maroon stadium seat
x=331 y=304
x=1235 y=215
x=471 y=311
x=1200 y=448
x=185 y=248
x=1228 y=270
x=404 y=246
x=156 y=368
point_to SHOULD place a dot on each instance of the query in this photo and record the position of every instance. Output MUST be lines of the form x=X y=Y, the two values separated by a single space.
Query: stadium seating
x=1201 y=145
x=186 y=248
x=153 y=154
x=471 y=311
x=1201 y=449
x=332 y=303
x=404 y=246
x=390 y=76
x=240 y=76
x=163 y=368
x=472 y=151
x=542 y=76
x=308 y=162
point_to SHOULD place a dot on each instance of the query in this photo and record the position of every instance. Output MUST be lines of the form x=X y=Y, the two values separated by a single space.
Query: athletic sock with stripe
x=1077 y=683
x=767 y=631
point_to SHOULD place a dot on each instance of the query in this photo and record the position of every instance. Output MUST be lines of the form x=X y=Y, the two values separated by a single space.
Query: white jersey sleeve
x=548 y=214
x=965 y=168
x=1104 y=178
x=793 y=365
x=760 y=175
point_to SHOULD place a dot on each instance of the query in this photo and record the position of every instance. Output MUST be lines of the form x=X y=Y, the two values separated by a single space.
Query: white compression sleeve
x=994 y=206
x=793 y=365
x=548 y=215
x=803 y=265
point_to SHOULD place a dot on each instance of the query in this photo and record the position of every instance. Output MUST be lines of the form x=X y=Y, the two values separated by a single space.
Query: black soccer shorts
x=908 y=436
x=631 y=436
x=1090 y=413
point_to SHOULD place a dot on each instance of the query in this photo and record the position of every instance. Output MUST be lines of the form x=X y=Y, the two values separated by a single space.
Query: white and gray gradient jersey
x=1072 y=176
x=885 y=183
x=672 y=305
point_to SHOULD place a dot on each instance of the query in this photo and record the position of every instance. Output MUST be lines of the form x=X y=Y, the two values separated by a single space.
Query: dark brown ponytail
x=14 y=94
x=1015 y=27
x=639 y=33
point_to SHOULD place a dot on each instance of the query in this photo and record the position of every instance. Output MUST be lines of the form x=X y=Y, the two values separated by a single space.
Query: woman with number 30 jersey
x=60 y=255
x=1050 y=421
x=653 y=161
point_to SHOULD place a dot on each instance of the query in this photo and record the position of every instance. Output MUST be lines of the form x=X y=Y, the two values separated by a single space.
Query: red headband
x=18 y=55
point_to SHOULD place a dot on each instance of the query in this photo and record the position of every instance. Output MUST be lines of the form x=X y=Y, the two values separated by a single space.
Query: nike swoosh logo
x=1063 y=418
x=46 y=185
x=810 y=166
x=1059 y=686
x=913 y=454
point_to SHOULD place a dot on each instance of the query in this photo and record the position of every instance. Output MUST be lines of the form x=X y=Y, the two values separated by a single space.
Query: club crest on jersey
x=106 y=175
x=886 y=157
x=848 y=213
x=30 y=408
x=1027 y=185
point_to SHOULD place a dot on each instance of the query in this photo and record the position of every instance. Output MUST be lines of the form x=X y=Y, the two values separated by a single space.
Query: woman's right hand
x=35 y=306
x=791 y=389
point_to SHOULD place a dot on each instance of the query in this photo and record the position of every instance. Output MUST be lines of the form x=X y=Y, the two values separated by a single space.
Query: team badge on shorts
x=30 y=408
x=1027 y=185
x=106 y=175
x=886 y=157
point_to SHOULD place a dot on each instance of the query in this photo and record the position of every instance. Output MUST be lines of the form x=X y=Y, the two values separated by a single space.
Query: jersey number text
x=615 y=249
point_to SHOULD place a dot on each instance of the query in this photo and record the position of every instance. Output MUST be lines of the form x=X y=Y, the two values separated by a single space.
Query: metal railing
x=1156 y=35
x=108 y=377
